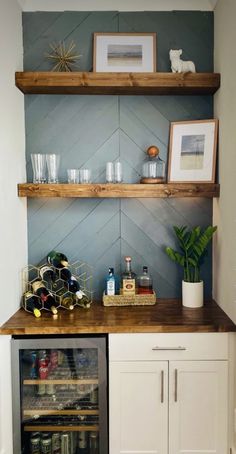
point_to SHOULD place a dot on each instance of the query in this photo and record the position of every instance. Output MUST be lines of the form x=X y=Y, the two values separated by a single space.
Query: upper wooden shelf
x=106 y=190
x=84 y=83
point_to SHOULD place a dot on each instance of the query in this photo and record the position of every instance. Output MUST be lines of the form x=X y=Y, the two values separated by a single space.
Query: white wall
x=13 y=237
x=224 y=284
x=224 y=272
x=13 y=234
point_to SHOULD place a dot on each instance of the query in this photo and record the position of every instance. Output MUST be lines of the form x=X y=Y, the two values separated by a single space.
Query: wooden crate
x=128 y=300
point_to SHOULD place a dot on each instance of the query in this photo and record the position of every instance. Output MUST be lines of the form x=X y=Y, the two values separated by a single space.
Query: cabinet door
x=138 y=407
x=198 y=407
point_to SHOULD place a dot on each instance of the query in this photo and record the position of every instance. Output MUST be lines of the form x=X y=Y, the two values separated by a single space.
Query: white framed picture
x=192 y=151
x=124 y=52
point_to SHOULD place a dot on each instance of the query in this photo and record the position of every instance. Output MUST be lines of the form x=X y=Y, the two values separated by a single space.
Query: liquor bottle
x=67 y=301
x=40 y=290
x=57 y=259
x=111 y=283
x=145 y=282
x=128 y=279
x=47 y=274
x=32 y=304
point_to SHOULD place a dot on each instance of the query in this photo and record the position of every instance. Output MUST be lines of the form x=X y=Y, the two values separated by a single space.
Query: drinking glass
x=38 y=161
x=118 y=172
x=53 y=161
x=85 y=176
x=109 y=172
x=73 y=175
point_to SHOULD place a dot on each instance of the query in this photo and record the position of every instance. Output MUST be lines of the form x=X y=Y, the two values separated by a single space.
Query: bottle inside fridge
x=61 y=385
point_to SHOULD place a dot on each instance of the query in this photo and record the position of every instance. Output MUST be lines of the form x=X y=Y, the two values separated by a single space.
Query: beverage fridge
x=60 y=395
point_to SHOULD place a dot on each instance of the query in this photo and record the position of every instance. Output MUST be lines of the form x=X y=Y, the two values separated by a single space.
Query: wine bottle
x=40 y=290
x=73 y=285
x=65 y=274
x=128 y=279
x=50 y=304
x=82 y=299
x=68 y=302
x=57 y=259
x=32 y=304
x=47 y=274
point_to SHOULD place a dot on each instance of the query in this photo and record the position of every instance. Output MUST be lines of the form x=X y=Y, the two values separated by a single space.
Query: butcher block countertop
x=167 y=316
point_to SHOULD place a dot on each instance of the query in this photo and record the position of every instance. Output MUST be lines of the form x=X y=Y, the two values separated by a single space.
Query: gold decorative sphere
x=153 y=151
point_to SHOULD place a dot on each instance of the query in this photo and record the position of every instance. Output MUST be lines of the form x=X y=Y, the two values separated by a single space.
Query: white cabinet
x=198 y=407
x=172 y=398
x=139 y=407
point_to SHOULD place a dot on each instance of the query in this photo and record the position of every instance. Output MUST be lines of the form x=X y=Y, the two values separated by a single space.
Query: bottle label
x=128 y=286
x=111 y=287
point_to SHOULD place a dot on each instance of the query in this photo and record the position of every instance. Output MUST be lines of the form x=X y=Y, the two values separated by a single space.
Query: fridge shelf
x=59 y=412
x=57 y=428
x=60 y=382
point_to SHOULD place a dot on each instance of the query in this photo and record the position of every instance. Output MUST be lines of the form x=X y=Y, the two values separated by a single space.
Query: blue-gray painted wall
x=91 y=130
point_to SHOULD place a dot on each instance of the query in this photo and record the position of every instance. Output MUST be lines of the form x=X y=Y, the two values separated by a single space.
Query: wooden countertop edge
x=126 y=329
x=168 y=316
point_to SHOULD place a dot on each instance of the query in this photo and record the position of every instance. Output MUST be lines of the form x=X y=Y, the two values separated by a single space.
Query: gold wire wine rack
x=59 y=287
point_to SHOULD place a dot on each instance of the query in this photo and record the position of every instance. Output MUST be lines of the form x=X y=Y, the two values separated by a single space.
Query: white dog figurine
x=178 y=65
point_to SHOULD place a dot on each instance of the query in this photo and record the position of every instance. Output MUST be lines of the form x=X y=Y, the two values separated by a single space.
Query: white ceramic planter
x=192 y=294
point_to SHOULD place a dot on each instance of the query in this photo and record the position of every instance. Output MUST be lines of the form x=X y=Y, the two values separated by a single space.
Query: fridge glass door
x=62 y=397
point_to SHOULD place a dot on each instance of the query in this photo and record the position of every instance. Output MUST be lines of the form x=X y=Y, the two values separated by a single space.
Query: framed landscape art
x=192 y=151
x=124 y=52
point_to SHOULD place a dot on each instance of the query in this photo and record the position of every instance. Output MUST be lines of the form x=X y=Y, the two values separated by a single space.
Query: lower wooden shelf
x=97 y=190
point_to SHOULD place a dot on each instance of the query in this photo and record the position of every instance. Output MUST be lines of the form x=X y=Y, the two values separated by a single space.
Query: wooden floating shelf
x=59 y=412
x=85 y=83
x=61 y=382
x=170 y=190
x=57 y=428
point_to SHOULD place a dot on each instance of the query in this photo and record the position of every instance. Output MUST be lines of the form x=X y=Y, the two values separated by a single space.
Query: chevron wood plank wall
x=91 y=130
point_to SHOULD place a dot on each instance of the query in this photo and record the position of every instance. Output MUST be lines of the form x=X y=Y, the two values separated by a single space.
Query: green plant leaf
x=193 y=243
x=175 y=256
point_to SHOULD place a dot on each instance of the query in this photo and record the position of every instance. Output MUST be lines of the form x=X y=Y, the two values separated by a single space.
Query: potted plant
x=193 y=248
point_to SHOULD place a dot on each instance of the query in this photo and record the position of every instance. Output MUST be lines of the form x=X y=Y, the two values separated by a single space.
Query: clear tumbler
x=38 y=161
x=53 y=161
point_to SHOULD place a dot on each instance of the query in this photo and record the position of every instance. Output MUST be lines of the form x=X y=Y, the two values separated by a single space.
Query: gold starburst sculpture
x=64 y=57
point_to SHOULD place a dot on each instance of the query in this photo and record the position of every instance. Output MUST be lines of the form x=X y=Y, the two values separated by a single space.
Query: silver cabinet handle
x=176 y=385
x=162 y=386
x=168 y=348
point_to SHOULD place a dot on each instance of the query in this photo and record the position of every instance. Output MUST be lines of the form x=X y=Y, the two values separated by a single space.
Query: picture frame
x=192 y=151
x=124 y=52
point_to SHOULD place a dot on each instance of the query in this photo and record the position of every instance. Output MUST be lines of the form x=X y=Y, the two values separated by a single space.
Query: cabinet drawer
x=133 y=347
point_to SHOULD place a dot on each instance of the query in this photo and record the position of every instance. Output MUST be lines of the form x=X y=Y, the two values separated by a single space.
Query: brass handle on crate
x=169 y=348
x=162 y=386
x=176 y=385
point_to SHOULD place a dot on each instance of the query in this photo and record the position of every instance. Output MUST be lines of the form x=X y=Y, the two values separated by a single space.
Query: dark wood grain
x=117 y=83
x=168 y=316
x=119 y=190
